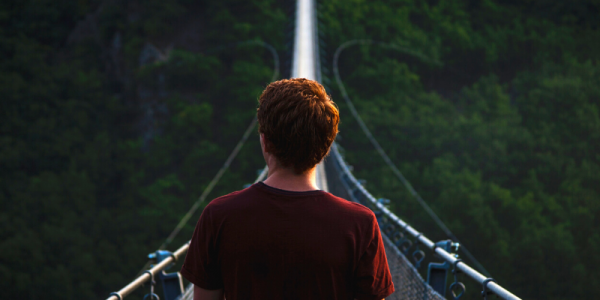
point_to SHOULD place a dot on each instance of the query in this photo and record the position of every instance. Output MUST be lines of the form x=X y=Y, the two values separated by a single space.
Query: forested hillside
x=501 y=137
x=115 y=117
x=117 y=114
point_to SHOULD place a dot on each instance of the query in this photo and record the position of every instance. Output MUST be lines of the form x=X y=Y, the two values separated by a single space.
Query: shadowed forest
x=117 y=114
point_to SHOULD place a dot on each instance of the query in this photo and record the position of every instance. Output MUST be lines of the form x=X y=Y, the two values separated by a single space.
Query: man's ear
x=265 y=143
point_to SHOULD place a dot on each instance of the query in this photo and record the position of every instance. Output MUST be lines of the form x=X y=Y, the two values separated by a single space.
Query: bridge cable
x=233 y=154
x=380 y=150
x=211 y=185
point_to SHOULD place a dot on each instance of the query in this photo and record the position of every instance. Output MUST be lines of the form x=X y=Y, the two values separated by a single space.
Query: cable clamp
x=418 y=252
x=485 y=292
x=152 y=295
x=455 y=270
x=456 y=284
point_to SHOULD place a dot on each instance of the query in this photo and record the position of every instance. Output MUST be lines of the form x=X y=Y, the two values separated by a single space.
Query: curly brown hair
x=299 y=121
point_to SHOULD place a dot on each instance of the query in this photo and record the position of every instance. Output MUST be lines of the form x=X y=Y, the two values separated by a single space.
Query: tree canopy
x=498 y=129
x=117 y=114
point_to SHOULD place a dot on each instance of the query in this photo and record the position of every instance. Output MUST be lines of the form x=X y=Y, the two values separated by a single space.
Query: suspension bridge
x=405 y=246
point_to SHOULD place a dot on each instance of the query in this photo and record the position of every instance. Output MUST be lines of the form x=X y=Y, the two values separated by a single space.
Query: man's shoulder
x=348 y=209
x=229 y=200
x=244 y=200
x=350 y=205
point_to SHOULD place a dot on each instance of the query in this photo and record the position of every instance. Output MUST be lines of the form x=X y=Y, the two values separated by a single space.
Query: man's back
x=266 y=243
x=269 y=243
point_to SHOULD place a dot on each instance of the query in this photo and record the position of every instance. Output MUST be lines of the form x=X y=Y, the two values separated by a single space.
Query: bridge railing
x=150 y=274
x=395 y=231
x=398 y=230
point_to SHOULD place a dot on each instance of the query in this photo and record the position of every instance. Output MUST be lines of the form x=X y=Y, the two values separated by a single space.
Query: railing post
x=437 y=273
x=172 y=283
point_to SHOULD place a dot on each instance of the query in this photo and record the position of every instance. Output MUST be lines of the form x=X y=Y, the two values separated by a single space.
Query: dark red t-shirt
x=267 y=243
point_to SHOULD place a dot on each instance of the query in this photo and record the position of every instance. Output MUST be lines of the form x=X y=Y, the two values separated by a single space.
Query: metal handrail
x=378 y=147
x=163 y=264
x=128 y=289
x=423 y=240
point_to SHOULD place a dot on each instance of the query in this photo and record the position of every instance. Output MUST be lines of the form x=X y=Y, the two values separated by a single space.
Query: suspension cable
x=359 y=193
x=210 y=186
x=233 y=154
x=378 y=147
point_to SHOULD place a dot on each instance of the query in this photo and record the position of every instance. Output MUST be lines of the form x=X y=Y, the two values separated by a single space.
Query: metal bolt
x=455 y=246
x=384 y=201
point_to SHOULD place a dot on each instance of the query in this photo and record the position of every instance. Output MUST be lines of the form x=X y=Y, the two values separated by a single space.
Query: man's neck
x=286 y=179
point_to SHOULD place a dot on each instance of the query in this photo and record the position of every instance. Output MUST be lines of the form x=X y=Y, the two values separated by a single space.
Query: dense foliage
x=117 y=114
x=501 y=140
x=115 y=117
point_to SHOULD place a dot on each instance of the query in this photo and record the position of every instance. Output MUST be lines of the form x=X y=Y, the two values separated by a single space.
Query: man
x=284 y=238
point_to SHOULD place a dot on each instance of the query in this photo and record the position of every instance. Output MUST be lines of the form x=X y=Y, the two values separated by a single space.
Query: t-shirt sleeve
x=201 y=266
x=373 y=278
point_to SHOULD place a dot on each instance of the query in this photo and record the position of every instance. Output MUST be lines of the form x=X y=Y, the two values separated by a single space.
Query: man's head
x=298 y=121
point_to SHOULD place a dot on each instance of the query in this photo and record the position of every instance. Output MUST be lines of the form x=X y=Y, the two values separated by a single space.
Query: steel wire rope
x=378 y=147
x=141 y=279
x=354 y=187
x=232 y=155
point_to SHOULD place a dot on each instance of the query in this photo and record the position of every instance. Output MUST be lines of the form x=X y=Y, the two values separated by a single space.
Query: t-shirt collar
x=269 y=189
